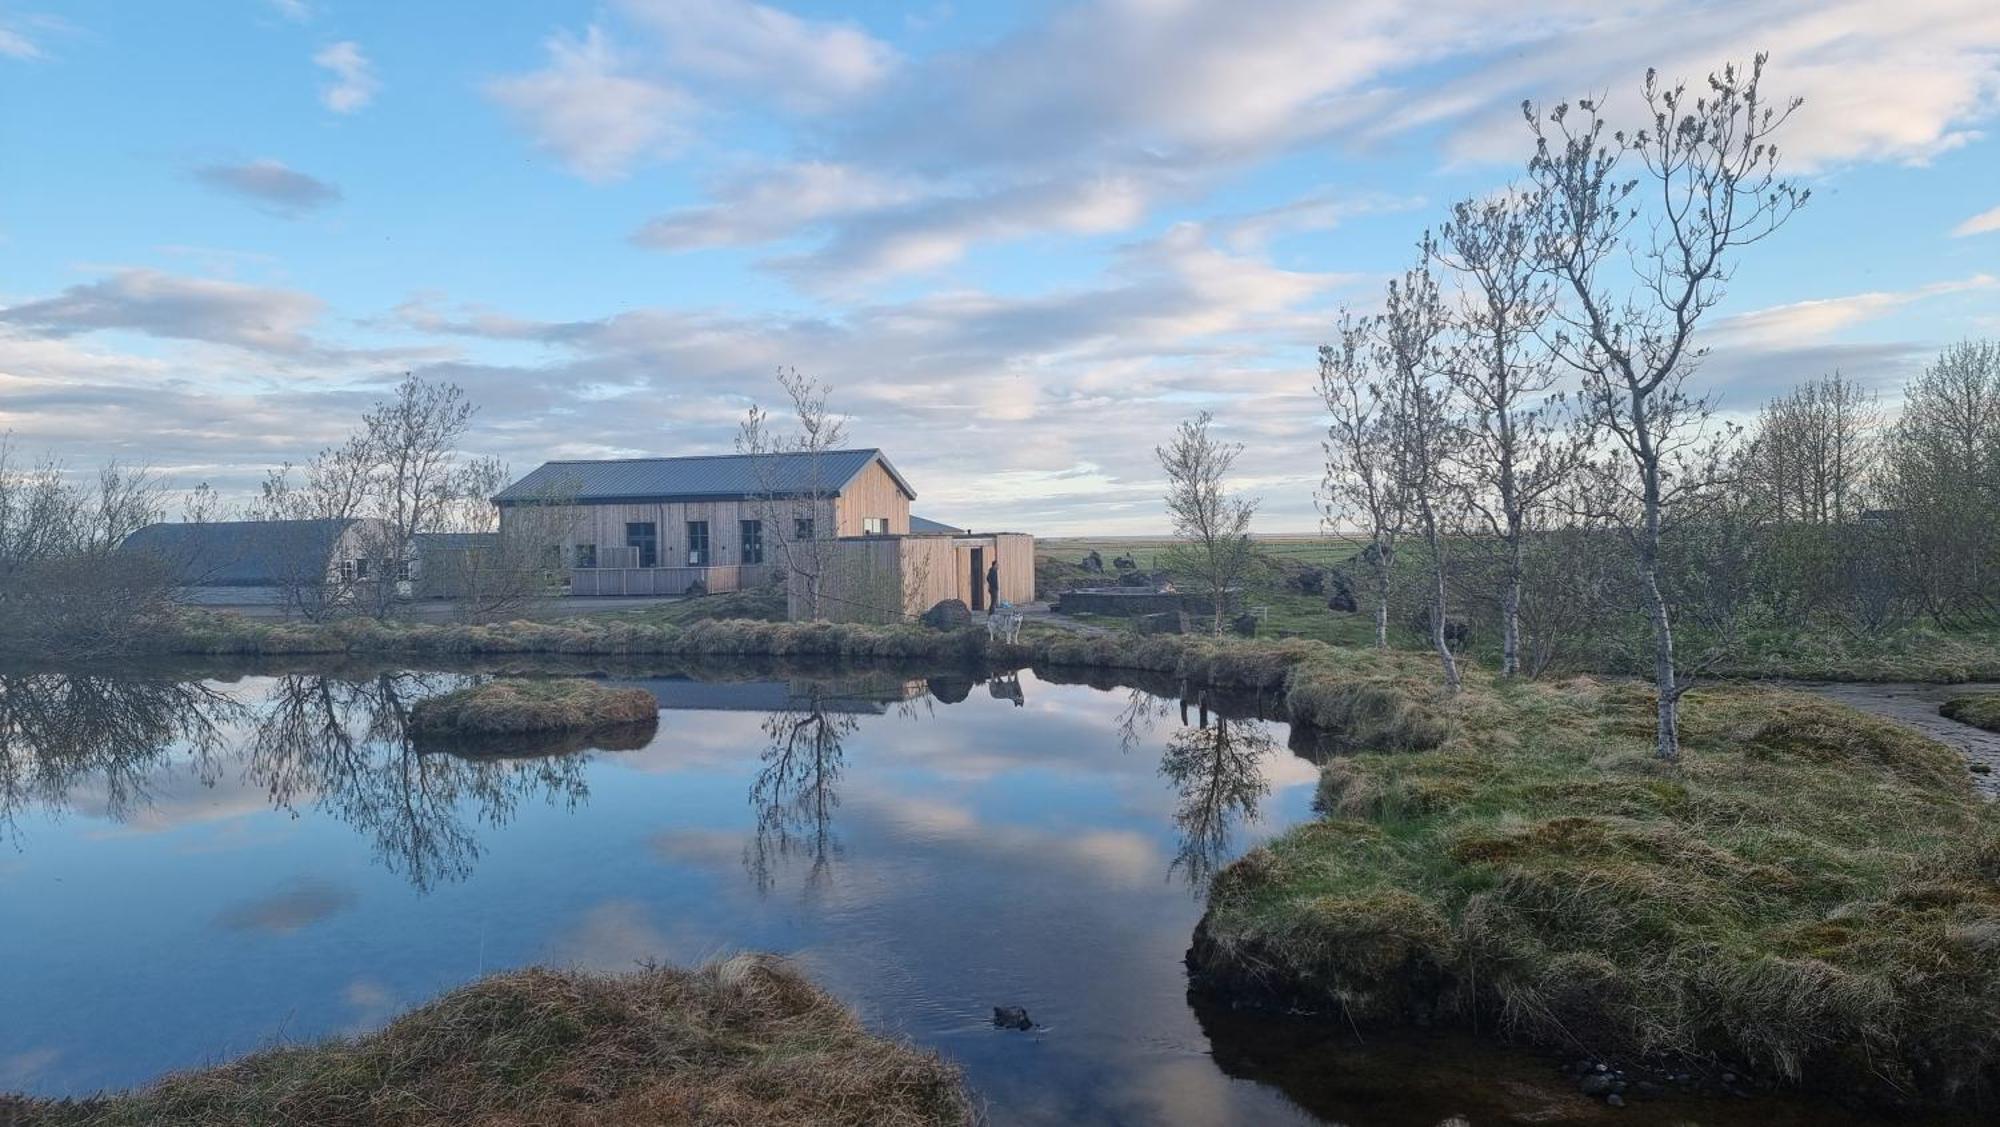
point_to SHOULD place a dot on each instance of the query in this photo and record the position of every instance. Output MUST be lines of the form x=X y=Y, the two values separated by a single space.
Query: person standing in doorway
x=993 y=586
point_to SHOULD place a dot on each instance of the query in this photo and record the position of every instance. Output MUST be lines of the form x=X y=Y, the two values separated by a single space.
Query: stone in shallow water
x=1012 y=1017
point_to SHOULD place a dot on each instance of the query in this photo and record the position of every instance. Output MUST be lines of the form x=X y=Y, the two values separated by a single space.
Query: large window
x=697 y=543
x=753 y=541
x=586 y=556
x=645 y=536
x=802 y=528
x=875 y=526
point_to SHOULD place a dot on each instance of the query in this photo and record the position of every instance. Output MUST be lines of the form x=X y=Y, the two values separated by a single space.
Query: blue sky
x=1021 y=241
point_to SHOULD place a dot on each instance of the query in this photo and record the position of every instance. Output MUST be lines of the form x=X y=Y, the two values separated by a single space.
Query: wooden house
x=669 y=526
x=896 y=578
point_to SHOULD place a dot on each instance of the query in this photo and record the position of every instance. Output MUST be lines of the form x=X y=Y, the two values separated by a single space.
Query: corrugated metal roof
x=702 y=477
x=242 y=553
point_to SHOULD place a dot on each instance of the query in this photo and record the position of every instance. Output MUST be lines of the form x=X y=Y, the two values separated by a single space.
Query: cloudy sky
x=1020 y=240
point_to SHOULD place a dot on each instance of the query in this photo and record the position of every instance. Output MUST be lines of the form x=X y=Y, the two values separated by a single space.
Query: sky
x=1020 y=241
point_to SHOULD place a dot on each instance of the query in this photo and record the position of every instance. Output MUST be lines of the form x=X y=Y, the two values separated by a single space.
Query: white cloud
x=1808 y=322
x=176 y=307
x=354 y=83
x=298 y=11
x=590 y=113
x=15 y=45
x=271 y=184
x=807 y=65
x=770 y=203
x=1983 y=223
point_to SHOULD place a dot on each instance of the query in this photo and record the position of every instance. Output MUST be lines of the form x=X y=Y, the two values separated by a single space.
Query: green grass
x=1813 y=894
x=1981 y=710
x=743 y=1041
x=514 y=705
x=762 y=604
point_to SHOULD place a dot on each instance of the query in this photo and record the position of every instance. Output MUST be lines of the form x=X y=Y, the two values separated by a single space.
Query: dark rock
x=949 y=690
x=1244 y=625
x=1136 y=578
x=1125 y=563
x=1340 y=592
x=1094 y=563
x=1164 y=623
x=1012 y=1017
x=697 y=589
x=1308 y=580
x=1614 y=1100
x=949 y=614
x=1982 y=769
x=1596 y=1084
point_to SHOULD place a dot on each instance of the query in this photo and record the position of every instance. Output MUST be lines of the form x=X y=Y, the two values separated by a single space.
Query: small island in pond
x=511 y=707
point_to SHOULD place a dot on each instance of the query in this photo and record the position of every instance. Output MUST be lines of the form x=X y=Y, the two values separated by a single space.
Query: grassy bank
x=1980 y=710
x=744 y=1041
x=513 y=706
x=1813 y=894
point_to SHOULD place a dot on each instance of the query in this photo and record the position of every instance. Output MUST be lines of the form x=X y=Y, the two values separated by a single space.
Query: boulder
x=1244 y=625
x=1168 y=622
x=1093 y=563
x=1136 y=579
x=1012 y=1017
x=1307 y=580
x=1340 y=593
x=1125 y=563
x=948 y=614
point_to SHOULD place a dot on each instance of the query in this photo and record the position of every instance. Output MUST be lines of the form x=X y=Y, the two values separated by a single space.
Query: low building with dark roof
x=667 y=526
x=265 y=561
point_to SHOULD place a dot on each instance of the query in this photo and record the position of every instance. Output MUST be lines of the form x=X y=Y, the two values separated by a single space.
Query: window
x=753 y=541
x=802 y=528
x=407 y=570
x=586 y=557
x=645 y=536
x=697 y=543
x=347 y=571
x=875 y=526
x=361 y=568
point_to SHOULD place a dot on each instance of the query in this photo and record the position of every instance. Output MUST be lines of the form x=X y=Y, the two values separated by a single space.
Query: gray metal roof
x=701 y=477
x=455 y=541
x=242 y=553
x=924 y=526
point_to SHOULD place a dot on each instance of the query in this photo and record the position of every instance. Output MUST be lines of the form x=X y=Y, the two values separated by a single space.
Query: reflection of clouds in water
x=371 y=1003
x=21 y=1069
x=307 y=902
x=620 y=935
x=177 y=796
x=1118 y=857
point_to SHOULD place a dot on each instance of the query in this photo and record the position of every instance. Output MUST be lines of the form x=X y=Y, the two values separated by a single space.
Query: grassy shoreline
x=1812 y=896
x=740 y=1041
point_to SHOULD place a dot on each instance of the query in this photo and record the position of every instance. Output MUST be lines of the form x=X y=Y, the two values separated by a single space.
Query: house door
x=979 y=579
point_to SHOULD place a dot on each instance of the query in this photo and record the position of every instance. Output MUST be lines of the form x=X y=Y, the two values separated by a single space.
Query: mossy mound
x=1981 y=710
x=1812 y=893
x=739 y=1042
x=517 y=706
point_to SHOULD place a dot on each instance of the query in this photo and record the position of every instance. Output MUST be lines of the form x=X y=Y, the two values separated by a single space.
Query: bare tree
x=1943 y=477
x=1211 y=526
x=420 y=476
x=1518 y=449
x=1424 y=430
x=795 y=499
x=1361 y=487
x=1637 y=292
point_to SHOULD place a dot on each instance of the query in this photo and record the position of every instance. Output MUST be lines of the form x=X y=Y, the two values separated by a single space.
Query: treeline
x=1520 y=434
x=67 y=590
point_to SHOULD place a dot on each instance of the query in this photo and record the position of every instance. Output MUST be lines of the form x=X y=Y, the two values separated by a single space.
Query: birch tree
x=1518 y=449
x=796 y=508
x=1423 y=430
x=1706 y=186
x=1360 y=487
x=1211 y=525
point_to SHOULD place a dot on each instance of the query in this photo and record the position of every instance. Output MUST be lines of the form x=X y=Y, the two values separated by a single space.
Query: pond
x=198 y=866
x=194 y=868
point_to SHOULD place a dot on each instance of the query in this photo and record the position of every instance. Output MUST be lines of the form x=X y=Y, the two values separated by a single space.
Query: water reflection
x=1219 y=768
x=797 y=789
x=61 y=731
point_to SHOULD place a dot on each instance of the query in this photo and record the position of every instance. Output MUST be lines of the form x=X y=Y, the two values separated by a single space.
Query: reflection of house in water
x=874 y=695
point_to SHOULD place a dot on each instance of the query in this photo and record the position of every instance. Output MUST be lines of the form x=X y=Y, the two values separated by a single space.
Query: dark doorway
x=979 y=579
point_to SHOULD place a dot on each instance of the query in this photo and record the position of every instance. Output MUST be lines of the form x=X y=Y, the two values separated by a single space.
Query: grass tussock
x=1981 y=710
x=511 y=706
x=739 y=1042
x=1812 y=893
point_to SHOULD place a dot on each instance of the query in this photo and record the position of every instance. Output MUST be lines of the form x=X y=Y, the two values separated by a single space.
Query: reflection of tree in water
x=796 y=790
x=59 y=732
x=343 y=745
x=1216 y=766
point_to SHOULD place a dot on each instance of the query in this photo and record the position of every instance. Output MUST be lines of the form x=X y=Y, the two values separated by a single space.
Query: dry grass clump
x=747 y=1041
x=1813 y=894
x=1981 y=710
x=510 y=706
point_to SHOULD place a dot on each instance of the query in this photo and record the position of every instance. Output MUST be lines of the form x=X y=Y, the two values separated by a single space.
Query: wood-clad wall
x=873 y=493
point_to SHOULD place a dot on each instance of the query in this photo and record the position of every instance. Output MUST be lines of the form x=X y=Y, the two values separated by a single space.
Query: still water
x=194 y=868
